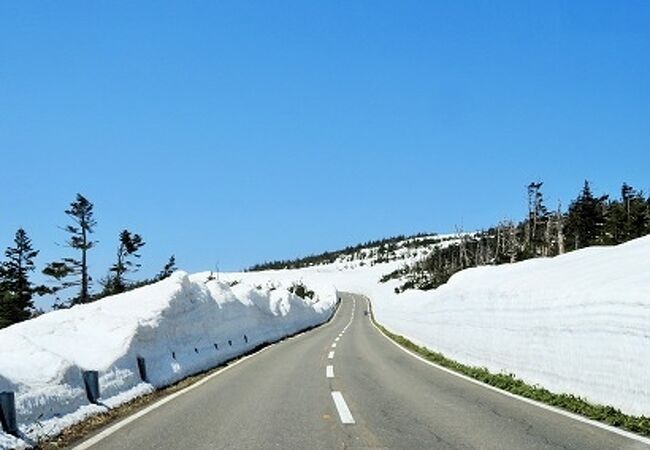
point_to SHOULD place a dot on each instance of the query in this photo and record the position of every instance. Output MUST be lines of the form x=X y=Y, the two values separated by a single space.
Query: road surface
x=345 y=385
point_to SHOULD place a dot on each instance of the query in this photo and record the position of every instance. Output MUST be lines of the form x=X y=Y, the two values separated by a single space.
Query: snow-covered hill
x=180 y=326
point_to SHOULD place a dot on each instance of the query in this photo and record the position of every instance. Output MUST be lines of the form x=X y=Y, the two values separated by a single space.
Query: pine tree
x=616 y=228
x=16 y=290
x=81 y=213
x=637 y=214
x=130 y=244
x=167 y=270
x=585 y=223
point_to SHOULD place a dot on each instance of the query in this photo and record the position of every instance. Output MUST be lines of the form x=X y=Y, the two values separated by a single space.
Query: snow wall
x=180 y=326
x=577 y=323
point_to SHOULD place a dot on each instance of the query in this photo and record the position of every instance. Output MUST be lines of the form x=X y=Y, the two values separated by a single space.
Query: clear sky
x=241 y=131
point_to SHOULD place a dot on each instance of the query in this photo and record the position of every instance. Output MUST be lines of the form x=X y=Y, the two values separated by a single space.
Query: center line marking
x=329 y=371
x=342 y=408
x=330 y=355
x=334 y=345
x=337 y=339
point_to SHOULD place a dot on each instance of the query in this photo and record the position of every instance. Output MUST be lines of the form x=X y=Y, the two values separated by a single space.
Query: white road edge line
x=620 y=432
x=330 y=355
x=121 y=424
x=342 y=408
x=127 y=420
x=329 y=371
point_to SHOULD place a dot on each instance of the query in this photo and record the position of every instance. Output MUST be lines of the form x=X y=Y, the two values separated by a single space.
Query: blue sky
x=236 y=132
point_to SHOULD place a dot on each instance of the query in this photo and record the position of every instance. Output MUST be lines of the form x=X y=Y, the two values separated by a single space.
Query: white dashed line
x=342 y=408
x=339 y=402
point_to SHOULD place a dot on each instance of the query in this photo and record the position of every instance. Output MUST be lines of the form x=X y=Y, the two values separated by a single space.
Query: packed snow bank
x=577 y=323
x=180 y=326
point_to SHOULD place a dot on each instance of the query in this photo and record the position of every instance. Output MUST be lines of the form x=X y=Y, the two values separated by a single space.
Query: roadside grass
x=509 y=382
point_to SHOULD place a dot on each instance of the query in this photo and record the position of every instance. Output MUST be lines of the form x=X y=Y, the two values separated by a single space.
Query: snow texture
x=180 y=326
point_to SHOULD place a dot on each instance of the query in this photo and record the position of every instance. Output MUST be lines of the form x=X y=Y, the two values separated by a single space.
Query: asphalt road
x=375 y=395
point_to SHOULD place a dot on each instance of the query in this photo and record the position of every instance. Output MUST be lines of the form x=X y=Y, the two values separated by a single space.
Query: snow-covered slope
x=180 y=326
x=577 y=323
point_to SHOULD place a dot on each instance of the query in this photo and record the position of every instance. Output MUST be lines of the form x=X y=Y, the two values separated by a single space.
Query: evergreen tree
x=16 y=290
x=169 y=268
x=585 y=224
x=130 y=244
x=616 y=227
x=637 y=213
x=81 y=213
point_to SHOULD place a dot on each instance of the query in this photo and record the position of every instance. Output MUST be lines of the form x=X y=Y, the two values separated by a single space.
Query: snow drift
x=180 y=326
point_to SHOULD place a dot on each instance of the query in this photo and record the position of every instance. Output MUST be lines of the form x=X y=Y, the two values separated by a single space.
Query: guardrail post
x=8 y=412
x=142 y=368
x=91 y=382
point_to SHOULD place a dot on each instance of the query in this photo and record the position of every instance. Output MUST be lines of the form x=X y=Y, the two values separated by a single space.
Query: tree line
x=328 y=257
x=17 y=291
x=589 y=220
